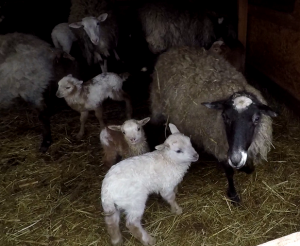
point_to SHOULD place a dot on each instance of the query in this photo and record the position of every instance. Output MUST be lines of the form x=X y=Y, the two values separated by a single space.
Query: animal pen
x=53 y=198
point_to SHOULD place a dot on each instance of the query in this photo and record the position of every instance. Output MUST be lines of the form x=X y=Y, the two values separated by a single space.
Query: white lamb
x=63 y=37
x=127 y=184
x=88 y=96
x=126 y=140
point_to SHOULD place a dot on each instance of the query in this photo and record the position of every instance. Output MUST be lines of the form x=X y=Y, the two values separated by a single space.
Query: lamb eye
x=226 y=118
x=139 y=129
x=178 y=151
x=68 y=87
x=98 y=23
x=123 y=132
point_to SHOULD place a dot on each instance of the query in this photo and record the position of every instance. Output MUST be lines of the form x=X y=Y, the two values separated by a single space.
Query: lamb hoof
x=45 y=146
x=79 y=136
x=150 y=241
x=118 y=242
x=177 y=211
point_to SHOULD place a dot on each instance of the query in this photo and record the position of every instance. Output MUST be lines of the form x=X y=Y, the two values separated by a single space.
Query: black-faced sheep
x=88 y=96
x=127 y=184
x=126 y=140
x=100 y=33
x=234 y=55
x=168 y=24
x=30 y=69
x=239 y=132
x=63 y=37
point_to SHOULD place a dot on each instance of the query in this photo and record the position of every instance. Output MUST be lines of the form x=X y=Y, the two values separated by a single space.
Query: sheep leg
x=83 y=117
x=170 y=196
x=103 y=65
x=135 y=227
x=112 y=224
x=44 y=118
x=123 y=96
x=231 y=192
x=99 y=114
x=116 y=55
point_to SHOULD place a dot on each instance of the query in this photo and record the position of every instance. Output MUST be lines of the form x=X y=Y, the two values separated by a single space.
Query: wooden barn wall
x=273 y=45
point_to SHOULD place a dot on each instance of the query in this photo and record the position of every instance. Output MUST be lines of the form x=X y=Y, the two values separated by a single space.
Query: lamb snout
x=196 y=157
x=237 y=159
x=59 y=95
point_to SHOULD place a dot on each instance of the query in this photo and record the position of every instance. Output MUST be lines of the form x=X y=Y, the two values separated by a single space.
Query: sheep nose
x=133 y=139
x=236 y=158
x=196 y=156
x=95 y=40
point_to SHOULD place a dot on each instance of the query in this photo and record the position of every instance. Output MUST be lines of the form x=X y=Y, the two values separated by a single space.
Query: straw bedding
x=54 y=198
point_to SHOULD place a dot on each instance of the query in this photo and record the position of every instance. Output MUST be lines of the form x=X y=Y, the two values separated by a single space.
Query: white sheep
x=127 y=184
x=88 y=96
x=63 y=37
x=125 y=140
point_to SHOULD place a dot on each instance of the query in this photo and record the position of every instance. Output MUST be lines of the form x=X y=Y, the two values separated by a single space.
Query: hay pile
x=54 y=198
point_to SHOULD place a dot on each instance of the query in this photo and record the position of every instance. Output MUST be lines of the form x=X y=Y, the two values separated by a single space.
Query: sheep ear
x=264 y=109
x=115 y=128
x=69 y=75
x=76 y=24
x=214 y=105
x=102 y=17
x=79 y=82
x=220 y=20
x=173 y=128
x=144 y=121
x=160 y=147
x=219 y=42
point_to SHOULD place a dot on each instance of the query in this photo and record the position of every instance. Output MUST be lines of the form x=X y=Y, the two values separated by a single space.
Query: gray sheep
x=166 y=25
x=29 y=69
x=234 y=126
x=99 y=34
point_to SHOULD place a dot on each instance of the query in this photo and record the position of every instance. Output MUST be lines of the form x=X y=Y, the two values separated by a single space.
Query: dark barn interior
x=53 y=198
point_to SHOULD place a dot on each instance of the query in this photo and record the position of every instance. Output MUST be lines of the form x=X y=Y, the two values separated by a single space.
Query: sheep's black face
x=241 y=114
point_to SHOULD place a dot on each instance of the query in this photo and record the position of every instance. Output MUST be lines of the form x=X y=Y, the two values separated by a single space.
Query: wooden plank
x=243 y=17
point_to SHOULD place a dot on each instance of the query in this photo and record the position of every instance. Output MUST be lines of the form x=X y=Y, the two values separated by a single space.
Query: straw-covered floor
x=54 y=198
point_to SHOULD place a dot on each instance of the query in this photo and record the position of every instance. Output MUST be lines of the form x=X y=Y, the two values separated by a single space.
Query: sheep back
x=25 y=68
x=183 y=79
x=166 y=25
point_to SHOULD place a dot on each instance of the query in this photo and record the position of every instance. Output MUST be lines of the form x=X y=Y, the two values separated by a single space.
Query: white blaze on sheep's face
x=241 y=103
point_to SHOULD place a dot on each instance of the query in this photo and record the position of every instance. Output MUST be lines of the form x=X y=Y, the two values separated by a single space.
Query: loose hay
x=54 y=199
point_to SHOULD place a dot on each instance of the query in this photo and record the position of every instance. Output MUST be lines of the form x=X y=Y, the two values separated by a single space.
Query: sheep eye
x=68 y=87
x=179 y=151
x=123 y=132
x=139 y=129
x=256 y=120
x=98 y=23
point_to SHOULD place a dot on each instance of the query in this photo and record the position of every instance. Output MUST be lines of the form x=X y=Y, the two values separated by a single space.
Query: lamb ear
x=173 y=128
x=69 y=75
x=115 y=128
x=76 y=24
x=160 y=147
x=102 y=17
x=144 y=121
x=79 y=82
